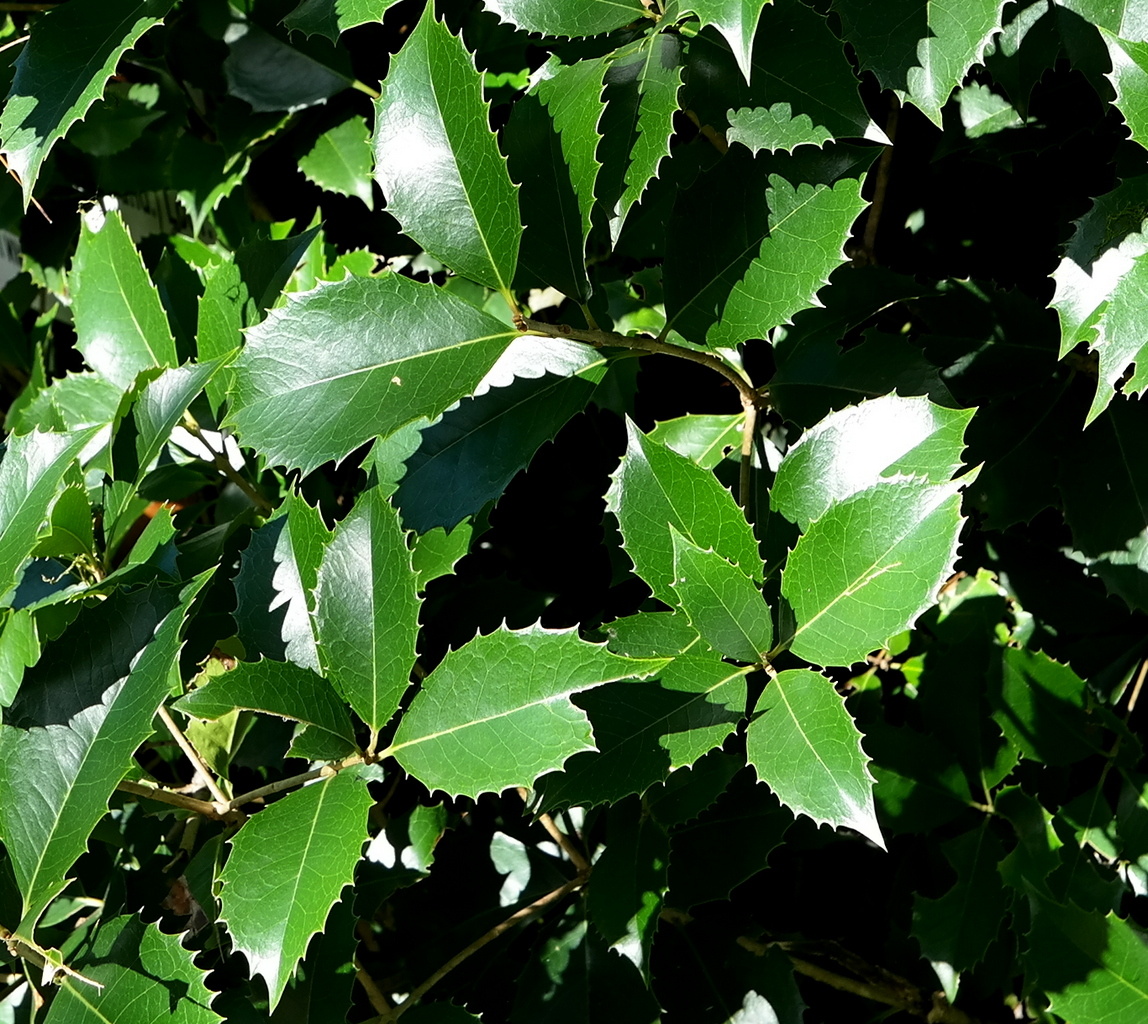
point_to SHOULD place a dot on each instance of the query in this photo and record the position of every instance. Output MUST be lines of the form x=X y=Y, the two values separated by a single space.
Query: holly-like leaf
x=704 y=439
x=721 y=602
x=55 y=780
x=438 y=163
x=368 y=609
x=471 y=454
x=497 y=713
x=145 y=975
x=736 y=20
x=957 y=928
x=984 y=112
x=356 y=359
x=30 y=475
x=330 y=18
x=856 y=447
x=340 y=161
x=121 y=327
x=869 y=566
x=70 y=529
x=1129 y=77
x=275 y=688
x=63 y=70
x=655 y=487
x=273 y=589
x=808 y=228
x=287 y=867
x=75 y=400
x=556 y=18
x=805 y=746
x=774 y=128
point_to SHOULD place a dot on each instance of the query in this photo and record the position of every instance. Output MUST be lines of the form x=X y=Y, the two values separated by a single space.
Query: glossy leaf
x=655 y=487
x=332 y=17
x=893 y=546
x=121 y=327
x=736 y=20
x=721 y=602
x=275 y=585
x=858 y=446
x=808 y=227
x=774 y=128
x=340 y=161
x=704 y=439
x=368 y=610
x=357 y=359
x=1129 y=77
x=75 y=400
x=438 y=163
x=287 y=868
x=804 y=745
x=63 y=71
x=555 y=18
x=55 y=780
x=455 y=736
x=271 y=75
x=30 y=476
x=274 y=688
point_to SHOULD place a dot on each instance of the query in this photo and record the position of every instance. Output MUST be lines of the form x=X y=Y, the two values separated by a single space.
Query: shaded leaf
x=507 y=684
x=892 y=546
x=340 y=161
x=356 y=359
x=556 y=18
x=332 y=17
x=438 y=163
x=368 y=610
x=271 y=75
x=287 y=867
x=63 y=70
x=804 y=745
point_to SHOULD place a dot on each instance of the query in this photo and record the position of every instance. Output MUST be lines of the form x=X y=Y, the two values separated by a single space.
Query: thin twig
x=375 y=995
x=577 y=858
x=14 y=42
x=23 y=947
x=328 y=770
x=881 y=187
x=1136 y=690
x=520 y=915
x=643 y=343
x=193 y=756
x=16 y=178
x=188 y=803
x=745 y=476
x=223 y=464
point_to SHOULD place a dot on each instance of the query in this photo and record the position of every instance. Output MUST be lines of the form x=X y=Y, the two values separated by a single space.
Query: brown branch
x=745 y=475
x=520 y=915
x=643 y=343
x=577 y=858
x=327 y=770
x=193 y=756
x=188 y=803
x=220 y=461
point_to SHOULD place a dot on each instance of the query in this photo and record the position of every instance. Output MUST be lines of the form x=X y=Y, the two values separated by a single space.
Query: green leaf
x=63 y=70
x=356 y=359
x=121 y=327
x=736 y=20
x=556 y=18
x=808 y=228
x=1092 y=967
x=721 y=602
x=275 y=688
x=1129 y=77
x=701 y=438
x=275 y=584
x=340 y=161
x=271 y=75
x=287 y=867
x=957 y=928
x=920 y=49
x=332 y=17
x=650 y=635
x=70 y=526
x=805 y=746
x=861 y=445
x=30 y=475
x=654 y=487
x=473 y=452
x=146 y=977
x=438 y=163
x=19 y=648
x=55 y=781
x=368 y=610
x=75 y=400
x=983 y=112
x=454 y=737
x=774 y=128
x=867 y=568
x=437 y=552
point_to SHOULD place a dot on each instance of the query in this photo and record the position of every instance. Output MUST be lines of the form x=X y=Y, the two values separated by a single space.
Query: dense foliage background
x=626 y=511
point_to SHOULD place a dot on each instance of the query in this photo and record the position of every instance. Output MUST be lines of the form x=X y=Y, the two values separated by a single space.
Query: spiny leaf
x=852 y=449
x=368 y=610
x=805 y=746
x=121 y=327
x=654 y=487
x=736 y=20
x=332 y=17
x=869 y=566
x=774 y=128
x=496 y=713
x=438 y=163
x=703 y=439
x=63 y=70
x=340 y=161
x=287 y=867
x=356 y=359
x=558 y=18
x=808 y=228
x=721 y=602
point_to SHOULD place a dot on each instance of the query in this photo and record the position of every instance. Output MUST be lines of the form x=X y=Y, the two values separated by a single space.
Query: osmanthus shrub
x=574 y=511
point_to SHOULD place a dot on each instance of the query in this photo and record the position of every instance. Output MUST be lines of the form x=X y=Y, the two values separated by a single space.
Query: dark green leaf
x=736 y=20
x=340 y=161
x=270 y=75
x=555 y=18
x=332 y=17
